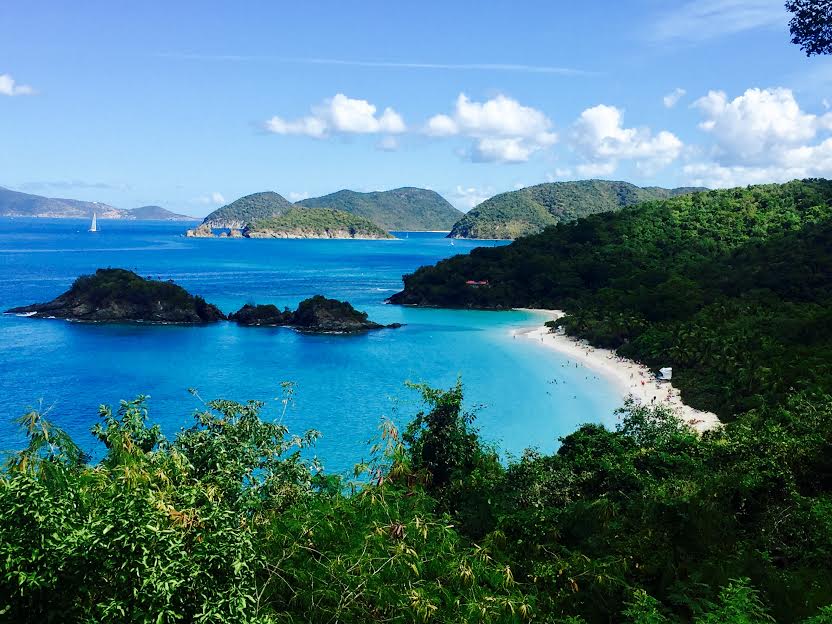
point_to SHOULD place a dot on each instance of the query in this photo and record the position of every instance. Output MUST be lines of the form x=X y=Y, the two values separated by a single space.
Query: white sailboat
x=93 y=225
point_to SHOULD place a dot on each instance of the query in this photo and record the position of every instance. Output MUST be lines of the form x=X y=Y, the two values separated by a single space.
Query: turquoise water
x=344 y=384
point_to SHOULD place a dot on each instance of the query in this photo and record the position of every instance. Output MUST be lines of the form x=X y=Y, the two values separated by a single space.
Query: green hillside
x=248 y=209
x=730 y=287
x=404 y=209
x=529 y=210
x=315 y=223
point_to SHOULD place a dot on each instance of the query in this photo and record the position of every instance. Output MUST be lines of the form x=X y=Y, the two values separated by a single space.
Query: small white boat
x=93 y=225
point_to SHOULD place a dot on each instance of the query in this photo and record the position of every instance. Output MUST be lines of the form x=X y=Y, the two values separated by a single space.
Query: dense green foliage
x=119 y=294
x=811 y=25
x=261 y=314
x=404 y=209
x=315 y=314
x=731 y=288
x=248 y=209
x=530 y=210
x=229 y=523
x=317 y=222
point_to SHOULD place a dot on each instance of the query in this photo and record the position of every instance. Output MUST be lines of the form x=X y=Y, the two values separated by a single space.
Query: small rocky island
x=316 y=314
x=121 y=295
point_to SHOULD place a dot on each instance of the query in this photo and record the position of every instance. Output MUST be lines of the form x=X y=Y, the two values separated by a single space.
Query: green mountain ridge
x=403 y=209
x=529 y=210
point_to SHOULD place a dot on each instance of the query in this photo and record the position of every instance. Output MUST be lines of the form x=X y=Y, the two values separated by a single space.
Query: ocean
x=524 y=395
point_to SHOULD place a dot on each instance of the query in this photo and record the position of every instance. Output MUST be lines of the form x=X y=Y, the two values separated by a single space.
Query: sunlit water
x=525 y=395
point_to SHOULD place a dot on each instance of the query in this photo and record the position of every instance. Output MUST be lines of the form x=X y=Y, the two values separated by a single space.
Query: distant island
x=345 y=214
x=122 y=295
x=17 y=204
x=403 y=209
x=296 y=222
x=529 y=210
x=316 y=314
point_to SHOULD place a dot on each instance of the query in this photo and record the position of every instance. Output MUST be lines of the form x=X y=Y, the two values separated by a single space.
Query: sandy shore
x=629 y=377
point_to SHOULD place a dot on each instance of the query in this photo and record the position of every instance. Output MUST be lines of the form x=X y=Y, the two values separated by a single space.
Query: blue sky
x=190 y=104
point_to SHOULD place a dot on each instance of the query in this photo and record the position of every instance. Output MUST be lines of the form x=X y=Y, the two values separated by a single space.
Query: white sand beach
x=629 y=377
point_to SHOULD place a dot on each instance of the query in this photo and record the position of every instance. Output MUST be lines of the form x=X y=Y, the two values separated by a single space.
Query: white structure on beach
x=665 y=374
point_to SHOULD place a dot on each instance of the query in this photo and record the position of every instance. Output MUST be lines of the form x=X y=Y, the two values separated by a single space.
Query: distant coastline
x=629 y=378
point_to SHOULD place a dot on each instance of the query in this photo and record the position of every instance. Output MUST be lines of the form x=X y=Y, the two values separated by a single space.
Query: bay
x=524 y=395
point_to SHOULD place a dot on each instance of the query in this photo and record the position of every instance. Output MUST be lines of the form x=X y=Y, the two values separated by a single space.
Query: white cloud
x=388 y=144
x=309 y=126
x=466 y=198
x=215 y=199
x=560 y=173
x=761 y=136
x=8 y=86
x=441 y=125
x=601 y=138
x=294 y=196
x=698 y=20
x=751 y=126
x=507 y=150
x=595 y=170
x=792 y=163
x=340 y=114
x=503 y=129
x=671 y=99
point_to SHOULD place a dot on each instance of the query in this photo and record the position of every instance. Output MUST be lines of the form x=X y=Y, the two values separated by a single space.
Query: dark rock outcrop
x=316 y=314
x=268 y=315
x=121 y=295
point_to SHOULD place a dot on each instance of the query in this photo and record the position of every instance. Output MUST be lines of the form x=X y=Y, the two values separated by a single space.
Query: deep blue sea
x=344 y=385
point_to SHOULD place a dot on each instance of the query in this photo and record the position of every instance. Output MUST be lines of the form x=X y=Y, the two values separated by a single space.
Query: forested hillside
x=529 y=210
x=314 y=223
x=730 y=287
x=407 y=209
x=248 y=209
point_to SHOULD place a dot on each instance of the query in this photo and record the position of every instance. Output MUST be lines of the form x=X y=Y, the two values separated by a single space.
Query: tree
x=811 y=25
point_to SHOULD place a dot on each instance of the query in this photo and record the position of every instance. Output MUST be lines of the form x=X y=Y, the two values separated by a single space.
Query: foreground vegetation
x=229 y=522
x=733 y=288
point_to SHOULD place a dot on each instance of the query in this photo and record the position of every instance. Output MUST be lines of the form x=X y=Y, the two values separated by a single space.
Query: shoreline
x=629 y=377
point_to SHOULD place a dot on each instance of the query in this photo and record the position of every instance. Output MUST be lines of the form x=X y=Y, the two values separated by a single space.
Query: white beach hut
x=665 y=374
